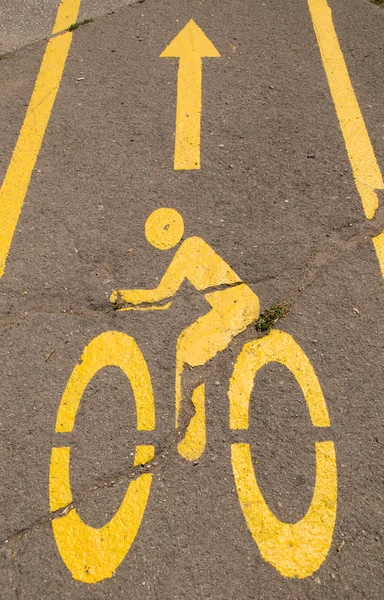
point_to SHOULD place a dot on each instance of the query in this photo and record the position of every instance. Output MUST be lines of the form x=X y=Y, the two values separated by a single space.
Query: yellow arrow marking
x=17 y=178
x=190 y=46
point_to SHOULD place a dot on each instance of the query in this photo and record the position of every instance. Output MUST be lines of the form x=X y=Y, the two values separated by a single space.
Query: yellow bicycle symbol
x=295 y=550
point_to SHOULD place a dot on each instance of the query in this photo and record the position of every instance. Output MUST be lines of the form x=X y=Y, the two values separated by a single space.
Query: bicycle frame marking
x=93 y=554
x=295 y=550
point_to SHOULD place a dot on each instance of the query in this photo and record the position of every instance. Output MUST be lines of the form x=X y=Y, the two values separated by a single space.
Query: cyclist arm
x=167 y=288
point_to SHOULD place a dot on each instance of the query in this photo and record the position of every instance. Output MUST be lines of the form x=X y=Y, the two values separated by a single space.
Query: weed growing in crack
x=117 y=304
x=269 y=317
x=77 y=25
x=377 y=1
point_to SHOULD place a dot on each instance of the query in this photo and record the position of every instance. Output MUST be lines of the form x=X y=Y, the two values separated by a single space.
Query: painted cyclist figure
x=234 y=307
x=295 y=550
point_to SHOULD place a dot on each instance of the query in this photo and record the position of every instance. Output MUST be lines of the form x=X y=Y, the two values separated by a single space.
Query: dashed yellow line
x=19 y=172
x=366 y=171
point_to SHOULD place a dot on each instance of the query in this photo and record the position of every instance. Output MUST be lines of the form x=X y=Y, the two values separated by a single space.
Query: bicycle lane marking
x=294 y=549
x=366 y=171
x=93 y=554
x=16 y=181
x=190 y=46
x=65 y=459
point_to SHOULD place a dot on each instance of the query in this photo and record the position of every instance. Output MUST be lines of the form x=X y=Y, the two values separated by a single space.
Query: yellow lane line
x=19 y=172
x=366 y=171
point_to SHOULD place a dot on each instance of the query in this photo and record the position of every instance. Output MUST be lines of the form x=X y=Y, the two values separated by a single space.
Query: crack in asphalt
x=121 y=305
x=330 y=251
x=362 y=233
x=124 y=477
x=45 y=38
x=335 y=246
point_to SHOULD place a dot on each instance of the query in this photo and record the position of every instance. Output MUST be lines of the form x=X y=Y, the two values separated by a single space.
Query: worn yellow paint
x=164 y=228
x=295 y=550
x=89 y=553
x=378 y=243
x=299 y=549
x=234 y=307
x=366 y=171
x=143 y=455
x=192 y=445
x=190 y=46
x=66 y=15
x=115 y=295
x=93 y=554
x=279 y=347
x=18 y=175
x=111 y=348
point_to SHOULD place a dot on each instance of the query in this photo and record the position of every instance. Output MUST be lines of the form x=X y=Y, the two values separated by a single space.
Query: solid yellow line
x=66 y=15
x=366 y=171
x=19 y=172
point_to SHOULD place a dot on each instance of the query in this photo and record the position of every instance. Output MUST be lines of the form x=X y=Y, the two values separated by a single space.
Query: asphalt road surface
x=276 y=188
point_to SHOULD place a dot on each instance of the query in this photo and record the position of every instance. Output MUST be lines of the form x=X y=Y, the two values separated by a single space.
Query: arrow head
x=192 y=42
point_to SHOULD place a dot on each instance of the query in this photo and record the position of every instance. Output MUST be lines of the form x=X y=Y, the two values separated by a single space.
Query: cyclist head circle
x=164 y=228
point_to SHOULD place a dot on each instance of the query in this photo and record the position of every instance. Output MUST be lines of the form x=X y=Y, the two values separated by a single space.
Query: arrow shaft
x=188 y=114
